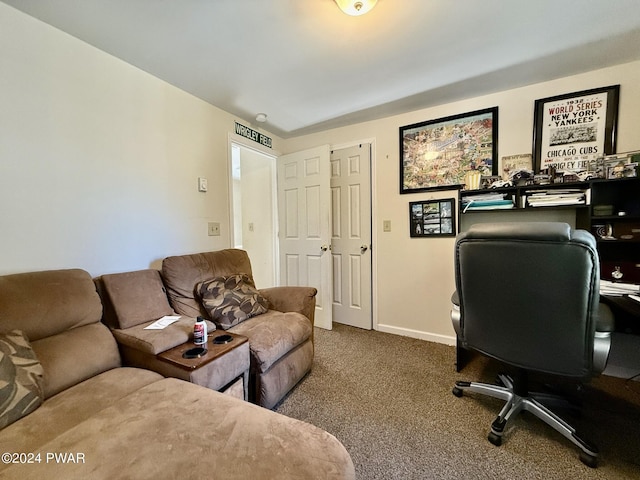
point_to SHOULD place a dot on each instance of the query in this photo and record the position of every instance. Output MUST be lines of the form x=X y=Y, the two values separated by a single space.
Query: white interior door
x=351 y=235
x=304 y=212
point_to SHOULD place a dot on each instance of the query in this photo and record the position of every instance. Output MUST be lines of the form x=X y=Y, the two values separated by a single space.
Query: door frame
x=237 y=139
x=374 y=223
x=234 y=138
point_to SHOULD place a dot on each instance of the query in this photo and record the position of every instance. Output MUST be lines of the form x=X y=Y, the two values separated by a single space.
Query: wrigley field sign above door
x=251 y=134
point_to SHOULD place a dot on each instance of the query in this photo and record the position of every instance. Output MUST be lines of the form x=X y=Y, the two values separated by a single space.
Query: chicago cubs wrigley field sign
x=251 y=134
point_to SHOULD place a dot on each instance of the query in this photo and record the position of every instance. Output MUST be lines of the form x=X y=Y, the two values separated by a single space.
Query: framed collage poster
x=571 y=130
x=437 y=154
x=432 y=218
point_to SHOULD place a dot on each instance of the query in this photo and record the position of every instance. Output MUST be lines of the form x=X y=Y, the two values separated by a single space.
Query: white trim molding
x=406 y=332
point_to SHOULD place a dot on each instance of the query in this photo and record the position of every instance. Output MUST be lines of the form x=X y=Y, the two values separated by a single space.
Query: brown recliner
x=280 y=341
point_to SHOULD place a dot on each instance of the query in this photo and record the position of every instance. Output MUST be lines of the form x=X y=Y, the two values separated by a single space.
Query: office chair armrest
x=455 y=299
x=455 y=313
x=605 y=324
x=605 y=321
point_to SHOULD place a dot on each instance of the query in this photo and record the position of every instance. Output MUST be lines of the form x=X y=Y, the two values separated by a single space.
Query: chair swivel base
x=515 y=404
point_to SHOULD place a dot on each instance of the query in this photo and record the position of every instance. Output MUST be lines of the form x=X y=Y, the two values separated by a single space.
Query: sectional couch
x=280 y=339
x=70 y=409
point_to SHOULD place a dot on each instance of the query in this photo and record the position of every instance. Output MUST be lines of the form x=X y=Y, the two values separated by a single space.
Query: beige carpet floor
x=388 y=399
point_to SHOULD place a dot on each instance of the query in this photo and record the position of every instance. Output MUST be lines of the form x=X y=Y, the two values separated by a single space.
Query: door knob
x=364 y=248
x=324 y=248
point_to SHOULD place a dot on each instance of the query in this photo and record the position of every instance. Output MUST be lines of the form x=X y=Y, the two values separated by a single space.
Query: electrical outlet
x=202 y=184
x=214 y=229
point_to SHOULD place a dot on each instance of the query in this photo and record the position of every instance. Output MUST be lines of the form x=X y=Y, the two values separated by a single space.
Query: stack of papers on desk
x=487 y=201
x=554 y=198
x=617 y=289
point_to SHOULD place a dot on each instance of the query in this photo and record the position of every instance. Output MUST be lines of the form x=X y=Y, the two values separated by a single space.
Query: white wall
x=99 y=161
x=415 y=275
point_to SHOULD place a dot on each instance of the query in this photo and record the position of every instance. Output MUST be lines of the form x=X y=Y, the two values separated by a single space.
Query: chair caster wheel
x=457 y=392
x=495 y=439
x=588 y=460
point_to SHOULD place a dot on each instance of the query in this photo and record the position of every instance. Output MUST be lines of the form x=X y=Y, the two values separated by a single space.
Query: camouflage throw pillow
x=21 y=378
x=232 y=299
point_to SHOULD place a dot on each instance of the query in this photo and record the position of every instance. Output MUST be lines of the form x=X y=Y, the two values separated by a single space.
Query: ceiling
x=310 y=67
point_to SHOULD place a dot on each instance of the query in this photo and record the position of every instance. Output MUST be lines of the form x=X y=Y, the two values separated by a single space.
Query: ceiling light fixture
x=261 y=117
x=356 y=7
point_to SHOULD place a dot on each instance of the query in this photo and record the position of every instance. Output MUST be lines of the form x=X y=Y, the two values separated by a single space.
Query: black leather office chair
x=527 y=294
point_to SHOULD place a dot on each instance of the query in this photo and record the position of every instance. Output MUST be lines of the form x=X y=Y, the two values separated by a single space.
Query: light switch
x=386 y=226
x=202 y=184
x=214 y=229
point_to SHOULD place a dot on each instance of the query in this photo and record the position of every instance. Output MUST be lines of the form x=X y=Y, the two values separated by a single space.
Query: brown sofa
x=280 y=341
x=134 y=300
x=122 y=422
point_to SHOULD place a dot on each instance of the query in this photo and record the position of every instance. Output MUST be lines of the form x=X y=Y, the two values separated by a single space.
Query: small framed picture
x=511 y=164
x=432 y=218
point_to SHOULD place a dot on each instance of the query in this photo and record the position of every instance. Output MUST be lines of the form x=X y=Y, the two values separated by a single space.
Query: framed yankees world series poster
x=573 y=129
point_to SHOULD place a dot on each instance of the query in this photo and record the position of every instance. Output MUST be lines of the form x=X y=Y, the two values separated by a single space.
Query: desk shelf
x=616 y=195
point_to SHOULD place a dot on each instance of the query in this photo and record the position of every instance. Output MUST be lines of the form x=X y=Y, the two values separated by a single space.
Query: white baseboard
x=406 y=332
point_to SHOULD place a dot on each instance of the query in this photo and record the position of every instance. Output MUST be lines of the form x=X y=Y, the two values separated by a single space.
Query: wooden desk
x=626 y=312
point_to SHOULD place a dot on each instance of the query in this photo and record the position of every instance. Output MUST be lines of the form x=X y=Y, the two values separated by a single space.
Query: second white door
x=350 y=180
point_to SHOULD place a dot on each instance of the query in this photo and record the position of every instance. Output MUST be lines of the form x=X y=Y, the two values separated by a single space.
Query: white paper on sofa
x=163 y=322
